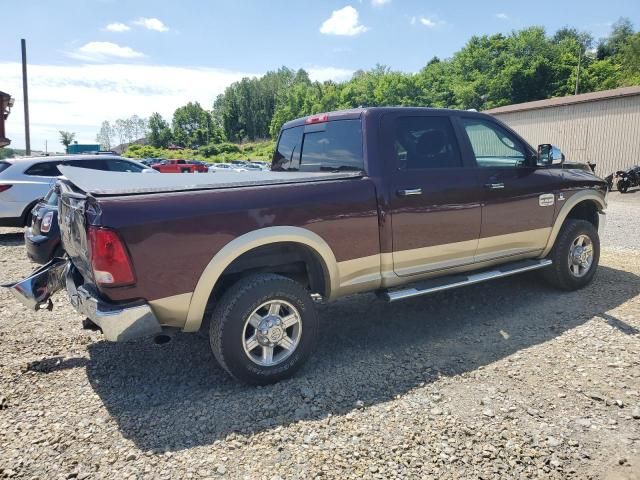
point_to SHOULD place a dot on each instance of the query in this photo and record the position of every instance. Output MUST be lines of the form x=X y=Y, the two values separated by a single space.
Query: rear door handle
x=409 y=192
x=494 y=186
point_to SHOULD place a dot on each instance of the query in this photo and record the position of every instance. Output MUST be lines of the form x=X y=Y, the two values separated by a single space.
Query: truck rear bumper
x=118 y=322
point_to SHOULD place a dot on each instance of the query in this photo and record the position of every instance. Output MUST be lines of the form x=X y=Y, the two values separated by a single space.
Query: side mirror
x=549 y=155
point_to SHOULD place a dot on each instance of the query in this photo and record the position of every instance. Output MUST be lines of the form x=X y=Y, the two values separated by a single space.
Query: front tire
x=263 y=329
x=623 y=186
x=575 y=256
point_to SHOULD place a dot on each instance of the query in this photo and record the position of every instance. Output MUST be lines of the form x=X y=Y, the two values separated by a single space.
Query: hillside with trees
x=489 y=71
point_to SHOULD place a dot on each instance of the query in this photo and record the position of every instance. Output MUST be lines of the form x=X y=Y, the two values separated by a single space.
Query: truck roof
x=360 y=111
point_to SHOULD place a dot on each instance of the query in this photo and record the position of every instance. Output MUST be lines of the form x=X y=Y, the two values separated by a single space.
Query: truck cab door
x=518 y=198
x=434 y=197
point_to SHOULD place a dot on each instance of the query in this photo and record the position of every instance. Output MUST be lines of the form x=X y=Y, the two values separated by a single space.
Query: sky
x=95 y=60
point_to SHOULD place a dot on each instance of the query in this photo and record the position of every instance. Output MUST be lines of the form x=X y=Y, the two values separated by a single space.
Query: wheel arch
x=250 y=242
x=27 y=211
x=585 y=205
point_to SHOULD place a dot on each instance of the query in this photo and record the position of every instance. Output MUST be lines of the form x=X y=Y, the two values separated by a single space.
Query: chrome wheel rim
x=580 y=256
x=272 y=333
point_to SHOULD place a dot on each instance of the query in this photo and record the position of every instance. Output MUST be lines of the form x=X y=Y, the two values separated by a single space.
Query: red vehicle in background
x=180 y=166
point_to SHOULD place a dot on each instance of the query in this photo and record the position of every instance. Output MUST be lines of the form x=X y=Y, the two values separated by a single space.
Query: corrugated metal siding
x=605 y=132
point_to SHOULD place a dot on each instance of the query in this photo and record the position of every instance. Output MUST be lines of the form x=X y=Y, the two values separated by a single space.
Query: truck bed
x=123 y=183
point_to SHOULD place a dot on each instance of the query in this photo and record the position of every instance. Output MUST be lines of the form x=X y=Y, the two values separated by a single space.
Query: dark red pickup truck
x=400 y=201
x=179 y=166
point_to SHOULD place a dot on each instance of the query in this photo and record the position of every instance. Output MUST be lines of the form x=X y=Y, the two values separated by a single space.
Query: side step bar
x=454 y=281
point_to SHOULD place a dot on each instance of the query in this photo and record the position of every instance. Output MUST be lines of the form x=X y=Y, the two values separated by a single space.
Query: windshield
x=322 y=147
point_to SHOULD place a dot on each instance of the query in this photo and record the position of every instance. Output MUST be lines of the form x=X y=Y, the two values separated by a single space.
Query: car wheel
x=623 y=186
x=263 y=329
x=575 y=256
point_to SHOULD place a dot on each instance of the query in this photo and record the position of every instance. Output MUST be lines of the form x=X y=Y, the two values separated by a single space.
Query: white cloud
x=79 y=97
x=103 y=51
x=343 y=22
x=117 y=27
x=329 y=73
x=377 y=3
x=503 y=16
x=427 y=22
x=151 y=24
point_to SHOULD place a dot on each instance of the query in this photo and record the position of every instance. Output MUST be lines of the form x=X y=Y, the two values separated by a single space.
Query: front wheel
x=575 y=256
x=623 y=186
x=263 y=329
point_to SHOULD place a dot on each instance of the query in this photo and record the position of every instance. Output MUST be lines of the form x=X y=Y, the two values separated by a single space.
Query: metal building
x=599 y=127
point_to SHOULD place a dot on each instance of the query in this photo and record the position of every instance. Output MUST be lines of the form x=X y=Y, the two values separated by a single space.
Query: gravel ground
x=504 y=380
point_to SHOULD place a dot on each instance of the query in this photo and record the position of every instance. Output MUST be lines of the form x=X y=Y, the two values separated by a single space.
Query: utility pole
x=578 y=71
x=25 y=96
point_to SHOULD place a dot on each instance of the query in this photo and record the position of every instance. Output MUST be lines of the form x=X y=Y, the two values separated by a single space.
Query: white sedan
x=226 y=167
x=23 y=181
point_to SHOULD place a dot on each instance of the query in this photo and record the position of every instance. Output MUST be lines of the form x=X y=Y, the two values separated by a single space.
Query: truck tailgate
x=72 y=206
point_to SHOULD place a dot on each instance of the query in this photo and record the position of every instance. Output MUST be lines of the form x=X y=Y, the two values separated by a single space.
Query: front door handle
x=494 y=186
x=409 y=192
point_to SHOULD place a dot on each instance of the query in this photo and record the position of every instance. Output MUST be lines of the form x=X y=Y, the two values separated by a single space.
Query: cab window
x=288 y=149
x=492 y=145
x=426 y=142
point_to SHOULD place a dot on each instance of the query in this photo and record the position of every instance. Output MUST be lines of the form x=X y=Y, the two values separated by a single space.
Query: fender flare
x=583 y=196
x=247 y=242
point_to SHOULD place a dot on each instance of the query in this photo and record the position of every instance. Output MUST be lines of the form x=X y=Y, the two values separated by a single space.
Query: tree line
x=489 y=71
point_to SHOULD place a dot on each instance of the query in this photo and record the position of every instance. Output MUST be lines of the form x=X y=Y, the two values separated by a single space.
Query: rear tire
x=263 y=329
x=575 y=256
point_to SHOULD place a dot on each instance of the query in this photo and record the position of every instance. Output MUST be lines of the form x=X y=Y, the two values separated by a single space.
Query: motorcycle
x=628 y=179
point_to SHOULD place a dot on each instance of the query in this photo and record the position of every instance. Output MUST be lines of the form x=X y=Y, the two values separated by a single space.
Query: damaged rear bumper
x=118 y=322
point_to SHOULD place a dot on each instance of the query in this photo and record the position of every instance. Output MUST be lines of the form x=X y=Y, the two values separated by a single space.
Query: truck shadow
x=174 y=396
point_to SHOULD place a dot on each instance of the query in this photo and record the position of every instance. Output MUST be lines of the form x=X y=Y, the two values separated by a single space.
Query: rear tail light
x=317 y=118
x=4 y=188
x=47 y=220
x=109 y=258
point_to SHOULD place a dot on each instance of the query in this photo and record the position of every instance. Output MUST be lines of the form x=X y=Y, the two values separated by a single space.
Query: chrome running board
x=454 y=281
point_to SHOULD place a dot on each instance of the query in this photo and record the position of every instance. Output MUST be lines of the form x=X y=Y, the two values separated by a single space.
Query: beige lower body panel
x=387 y=270
x=438 y=257
x=395 y=269
x=512 y=244
x=172 y=311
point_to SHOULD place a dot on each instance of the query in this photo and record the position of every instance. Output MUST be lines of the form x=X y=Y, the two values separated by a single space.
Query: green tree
x=66 y=138
x=192 y=125
x=160 y=134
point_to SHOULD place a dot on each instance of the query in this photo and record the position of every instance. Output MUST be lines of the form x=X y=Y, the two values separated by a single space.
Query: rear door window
x=44 y=169
x=426 y=142
x=332 y=146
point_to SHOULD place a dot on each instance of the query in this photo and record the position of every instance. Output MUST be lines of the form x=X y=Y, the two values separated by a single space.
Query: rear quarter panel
x=172 y=237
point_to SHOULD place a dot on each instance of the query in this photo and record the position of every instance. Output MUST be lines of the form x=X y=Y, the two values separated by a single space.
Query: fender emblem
x=561 y=197
x=546 y=199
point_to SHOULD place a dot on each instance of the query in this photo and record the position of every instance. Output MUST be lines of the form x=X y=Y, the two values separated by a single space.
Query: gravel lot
x=504 y=380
